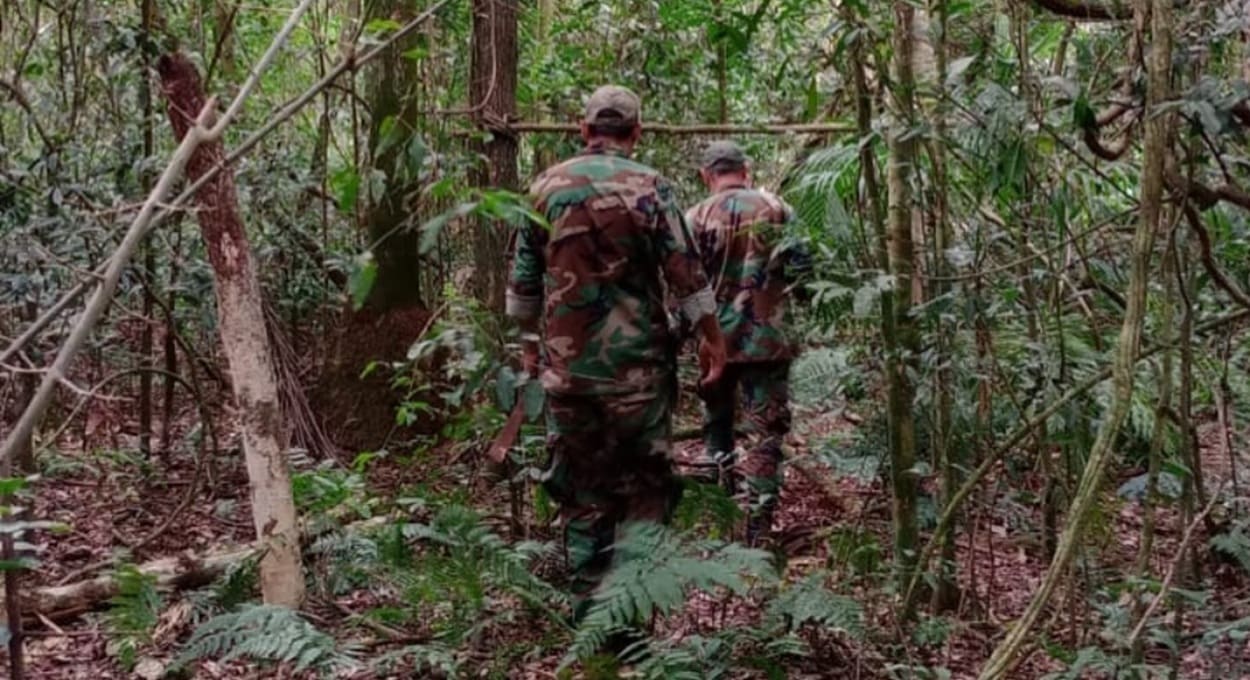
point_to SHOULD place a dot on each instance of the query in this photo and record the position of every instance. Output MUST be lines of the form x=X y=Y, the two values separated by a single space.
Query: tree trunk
x=899 y=363
x=393 y=234
x=492 y=96
x=241 y=321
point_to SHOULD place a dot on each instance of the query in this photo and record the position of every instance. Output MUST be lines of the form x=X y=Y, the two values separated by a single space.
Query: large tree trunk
x=393 y=233
x=492 y=95
x=241 y=320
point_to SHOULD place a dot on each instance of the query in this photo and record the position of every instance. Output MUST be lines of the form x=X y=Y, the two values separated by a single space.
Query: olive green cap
x=613 y=105
x=724 y=152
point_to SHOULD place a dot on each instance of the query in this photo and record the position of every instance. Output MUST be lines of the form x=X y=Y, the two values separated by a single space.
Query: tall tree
x=241 y=322
x=396 y=116
x=492 y=98
x=906 y=346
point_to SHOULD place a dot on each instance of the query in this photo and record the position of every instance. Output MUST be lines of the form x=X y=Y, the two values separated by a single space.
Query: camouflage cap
x=723 y=152
x=613 y=105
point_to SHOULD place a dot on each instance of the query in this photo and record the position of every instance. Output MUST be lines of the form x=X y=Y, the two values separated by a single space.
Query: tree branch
x=1087 y=10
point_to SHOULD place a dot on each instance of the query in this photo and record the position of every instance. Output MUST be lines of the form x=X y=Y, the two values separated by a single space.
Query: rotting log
x=181 y=572
x=185 y=571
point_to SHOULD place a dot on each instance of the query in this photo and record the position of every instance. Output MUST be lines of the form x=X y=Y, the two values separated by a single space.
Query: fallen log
x=181 y=572
x=174 y=573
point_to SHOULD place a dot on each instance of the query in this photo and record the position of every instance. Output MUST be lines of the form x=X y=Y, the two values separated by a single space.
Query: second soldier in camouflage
x=752 y=264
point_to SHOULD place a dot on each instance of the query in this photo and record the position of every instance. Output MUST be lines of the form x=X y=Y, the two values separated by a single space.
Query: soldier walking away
x=596 y=281
x=752 y=264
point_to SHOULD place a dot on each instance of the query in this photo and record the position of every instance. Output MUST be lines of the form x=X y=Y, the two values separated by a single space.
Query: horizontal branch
x=1088 y=10
x=695 y=129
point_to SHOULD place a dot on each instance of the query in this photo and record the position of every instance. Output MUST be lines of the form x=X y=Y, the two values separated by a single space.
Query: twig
x=89 y=394
x=1181 y=550
x=47 y=317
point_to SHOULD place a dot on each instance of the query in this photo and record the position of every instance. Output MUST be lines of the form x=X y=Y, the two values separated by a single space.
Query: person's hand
x=712 y=358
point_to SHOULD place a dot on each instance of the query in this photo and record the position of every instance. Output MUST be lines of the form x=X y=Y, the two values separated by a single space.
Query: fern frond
x=474 y=559
x=653 y=569
x=426 y=657
x=266 y=633
x=133 y=613
x=809 y=601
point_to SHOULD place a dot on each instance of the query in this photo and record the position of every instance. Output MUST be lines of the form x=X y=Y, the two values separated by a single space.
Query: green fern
x=466 y=561
x=348 y=560
x=809 y=601
x=133 y=613
x=266 y=633
x=693 y=658
x=427 y=657
x=653 y=569
x=238 y=584
x=1235 y=544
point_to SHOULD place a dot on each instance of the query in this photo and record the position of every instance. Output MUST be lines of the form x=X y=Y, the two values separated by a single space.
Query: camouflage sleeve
x=679 y=257
x=524 y=299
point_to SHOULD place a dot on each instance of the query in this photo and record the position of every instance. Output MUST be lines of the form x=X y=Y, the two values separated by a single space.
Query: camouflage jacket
x=617 y=245
x=751 y=262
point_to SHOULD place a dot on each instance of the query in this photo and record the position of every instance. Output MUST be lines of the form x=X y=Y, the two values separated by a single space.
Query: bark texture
x=492 y=96
x=241 y=322
x=393 y=234
x=902 y=391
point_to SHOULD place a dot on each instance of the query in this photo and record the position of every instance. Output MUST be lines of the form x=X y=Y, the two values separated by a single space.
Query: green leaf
x=378 y=26
x=387 y=136
x=11 y=485
x=1083 y=114
x=362 y=278
x=505 y=388
x=346 y=187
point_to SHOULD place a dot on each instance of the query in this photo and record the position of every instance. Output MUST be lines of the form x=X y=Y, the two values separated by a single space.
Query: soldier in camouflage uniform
x=752 y=264
x=597 y=279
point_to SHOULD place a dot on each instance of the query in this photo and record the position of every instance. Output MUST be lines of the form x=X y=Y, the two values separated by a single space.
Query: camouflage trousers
x=762 y=390
x=609 y=464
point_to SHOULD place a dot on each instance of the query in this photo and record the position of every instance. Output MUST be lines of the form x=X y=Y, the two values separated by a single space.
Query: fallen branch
x=180 y=572
x=65 y=602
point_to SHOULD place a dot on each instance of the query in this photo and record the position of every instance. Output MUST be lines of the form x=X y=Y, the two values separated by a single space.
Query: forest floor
x=119 y=505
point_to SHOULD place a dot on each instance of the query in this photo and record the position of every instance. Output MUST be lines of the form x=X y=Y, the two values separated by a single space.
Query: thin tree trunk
x=492 y=96
x=12 y=587
x=1154 y=461
x=947 y=447
x=241 y=321
x=900 y=361
x=147 y=348
x=1157 y=127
